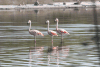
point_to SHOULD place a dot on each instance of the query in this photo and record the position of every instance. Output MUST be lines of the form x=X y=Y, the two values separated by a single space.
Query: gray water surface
x=17 y=45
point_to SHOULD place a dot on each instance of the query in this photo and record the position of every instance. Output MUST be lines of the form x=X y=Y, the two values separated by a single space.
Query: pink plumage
x=34 y=32
x=60 y=31
x=50 y=32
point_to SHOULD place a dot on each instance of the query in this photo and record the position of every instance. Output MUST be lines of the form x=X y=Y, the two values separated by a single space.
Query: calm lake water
x=78 y=49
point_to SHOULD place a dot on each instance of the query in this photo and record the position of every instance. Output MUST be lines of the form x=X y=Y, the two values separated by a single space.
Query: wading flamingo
x=34 y=32
x=60 y=31
x=50 y=32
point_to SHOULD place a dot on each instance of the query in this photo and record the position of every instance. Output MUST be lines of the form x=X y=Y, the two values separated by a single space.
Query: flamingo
x=34 y=32
x=50 y=32
x=60 y=31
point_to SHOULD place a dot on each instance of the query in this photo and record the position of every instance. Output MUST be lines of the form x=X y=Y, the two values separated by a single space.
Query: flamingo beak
x=55 y=20
x=27 y=23
x=45 y=23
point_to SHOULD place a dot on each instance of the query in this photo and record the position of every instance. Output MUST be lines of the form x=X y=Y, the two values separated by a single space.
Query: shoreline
x=54 y=5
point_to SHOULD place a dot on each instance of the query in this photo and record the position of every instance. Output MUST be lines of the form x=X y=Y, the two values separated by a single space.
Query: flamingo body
x=52 y=33
x=35 y=32
x=62 y=31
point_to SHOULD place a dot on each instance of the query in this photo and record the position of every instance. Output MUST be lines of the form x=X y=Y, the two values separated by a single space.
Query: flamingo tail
x=66 y=32
x=54 y=33
x=41 y=34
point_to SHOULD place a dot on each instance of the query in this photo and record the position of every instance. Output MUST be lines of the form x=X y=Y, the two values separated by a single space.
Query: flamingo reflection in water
x=35 y=53
x=34 y=32
x=57 y=53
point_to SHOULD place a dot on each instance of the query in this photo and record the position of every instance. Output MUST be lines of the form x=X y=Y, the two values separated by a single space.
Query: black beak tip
x=45 y=23
x=27 y=23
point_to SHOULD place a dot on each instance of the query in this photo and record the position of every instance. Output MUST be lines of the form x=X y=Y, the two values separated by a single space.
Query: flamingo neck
x=57 y=26
x=48 y=26
x=30 y=27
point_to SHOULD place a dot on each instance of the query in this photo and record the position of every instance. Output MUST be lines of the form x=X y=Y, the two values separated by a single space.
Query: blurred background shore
x=17 y=2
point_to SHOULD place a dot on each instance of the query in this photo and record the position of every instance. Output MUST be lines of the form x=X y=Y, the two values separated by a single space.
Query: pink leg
x=61 y=38
x=35 y=40
x=52 y=41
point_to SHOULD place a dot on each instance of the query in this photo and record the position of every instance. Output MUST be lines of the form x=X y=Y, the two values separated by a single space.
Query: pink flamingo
x=50 y=32
x=60 y=31
x=34 y=32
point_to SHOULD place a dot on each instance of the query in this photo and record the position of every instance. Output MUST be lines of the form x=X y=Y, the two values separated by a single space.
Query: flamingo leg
x=61 y=38
x=35 y=40
x=52 y=41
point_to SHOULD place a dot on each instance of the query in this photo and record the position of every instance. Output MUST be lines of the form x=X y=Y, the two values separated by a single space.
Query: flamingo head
x=47 y=21
x=29 y=21
x=56 y=19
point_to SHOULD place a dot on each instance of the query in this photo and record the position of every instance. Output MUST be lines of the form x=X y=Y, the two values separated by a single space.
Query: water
x=77 y=49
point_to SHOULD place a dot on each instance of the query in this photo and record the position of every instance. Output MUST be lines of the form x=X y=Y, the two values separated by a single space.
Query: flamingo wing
x=62 y=31
x=35 y=32
x=39 y=33
x=53 y=33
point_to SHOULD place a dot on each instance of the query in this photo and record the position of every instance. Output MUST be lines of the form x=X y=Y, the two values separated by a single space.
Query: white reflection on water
x=52 y=57
x=76 y=55
x=36 y=55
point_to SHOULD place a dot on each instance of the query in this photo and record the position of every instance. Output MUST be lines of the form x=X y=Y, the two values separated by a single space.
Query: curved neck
x=30 y=27
x=48 y=26
x=57 y=26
